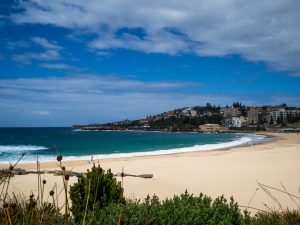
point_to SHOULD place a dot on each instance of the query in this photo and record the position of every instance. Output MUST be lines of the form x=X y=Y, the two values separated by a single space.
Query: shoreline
x=189 y=149
x=269 y=138
x=232 y=172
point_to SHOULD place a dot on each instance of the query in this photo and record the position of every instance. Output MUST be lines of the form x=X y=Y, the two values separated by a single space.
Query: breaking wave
x=20 y=148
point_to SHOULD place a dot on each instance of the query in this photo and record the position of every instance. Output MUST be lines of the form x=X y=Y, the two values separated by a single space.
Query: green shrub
x=26 y=212
x=94 y=191
x=184 y=209
x=276 y=218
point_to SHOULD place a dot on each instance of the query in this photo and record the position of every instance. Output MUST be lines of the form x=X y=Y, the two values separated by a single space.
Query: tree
x=243 y=111
x=208 y=105
x=237 y=104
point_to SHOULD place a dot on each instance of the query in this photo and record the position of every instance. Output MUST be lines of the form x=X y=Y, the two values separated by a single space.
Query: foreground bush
x=98 y=199
x=26 y=212
x=185 y=209
x=276 y=218
x=94 y=191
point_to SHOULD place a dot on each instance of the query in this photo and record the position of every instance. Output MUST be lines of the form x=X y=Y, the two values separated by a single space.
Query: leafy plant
x=26 y=212
x=93 y=192
x=184 y=209
x=276 y=218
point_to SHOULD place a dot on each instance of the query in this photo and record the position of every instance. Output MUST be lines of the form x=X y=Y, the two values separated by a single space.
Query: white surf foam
x=251 y=138
x=20 y=148
x=196 y=148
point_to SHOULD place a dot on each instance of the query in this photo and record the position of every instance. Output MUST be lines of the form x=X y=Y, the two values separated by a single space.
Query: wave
x=196 y=148
x=20 y=148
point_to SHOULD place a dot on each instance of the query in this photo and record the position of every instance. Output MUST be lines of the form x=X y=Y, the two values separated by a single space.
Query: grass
x=183 y=209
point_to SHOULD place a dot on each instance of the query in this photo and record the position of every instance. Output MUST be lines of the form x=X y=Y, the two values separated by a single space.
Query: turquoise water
x=73 y=144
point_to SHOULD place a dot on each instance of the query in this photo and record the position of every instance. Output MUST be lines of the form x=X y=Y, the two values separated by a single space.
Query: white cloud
x=258 y=30
x=51 y=52
x=13 y=45
x=45 y=43
x=90 y=98
x=161 y=42
x=103 y=53
x=41 y=113
x=56 y=66
x=27 y=57
x=85 y=83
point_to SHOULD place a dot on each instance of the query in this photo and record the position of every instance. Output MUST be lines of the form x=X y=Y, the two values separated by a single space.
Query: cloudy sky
x=67 y=62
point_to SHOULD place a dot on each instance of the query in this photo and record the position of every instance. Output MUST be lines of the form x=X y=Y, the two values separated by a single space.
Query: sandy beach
x=232 y=172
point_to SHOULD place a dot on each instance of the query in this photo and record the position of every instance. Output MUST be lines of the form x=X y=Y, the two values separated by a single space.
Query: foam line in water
x=20 y=148
x=195 y=148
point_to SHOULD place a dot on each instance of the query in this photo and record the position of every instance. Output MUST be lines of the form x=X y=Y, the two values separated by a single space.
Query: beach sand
x=232 y=172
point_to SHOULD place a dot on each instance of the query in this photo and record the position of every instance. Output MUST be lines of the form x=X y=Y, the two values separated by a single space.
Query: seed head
x=59 y=158
x=51 y=193
x=100 y=170
x=63 y=168
x=11 y=167
x=67 y=177
x=13 y=205
x=33 y=204
x=44 y=181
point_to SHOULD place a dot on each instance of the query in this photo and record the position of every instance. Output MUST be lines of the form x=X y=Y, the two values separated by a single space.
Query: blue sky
x=69 y=61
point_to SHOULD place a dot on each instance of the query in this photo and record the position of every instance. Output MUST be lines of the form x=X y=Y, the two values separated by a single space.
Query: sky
x=65 y=62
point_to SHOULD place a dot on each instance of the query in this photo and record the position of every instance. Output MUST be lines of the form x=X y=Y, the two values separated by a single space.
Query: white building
x=237 y=121
x=279 y=114
x=193 y=113
x=234 y=121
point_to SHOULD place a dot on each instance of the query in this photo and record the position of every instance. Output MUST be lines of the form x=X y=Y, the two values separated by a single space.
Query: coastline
x=244 y=140
x=268 y=138
x=232 y=172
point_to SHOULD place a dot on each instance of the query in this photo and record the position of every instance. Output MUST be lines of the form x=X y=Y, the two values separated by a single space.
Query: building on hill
x=265 y=117
x=253 y=115
x=293 y=111
x=231 y=112
x=279 y=115
x=188 y=112
x=143 y=121
x=210 y=128
x=193 y=113
x=234 y=121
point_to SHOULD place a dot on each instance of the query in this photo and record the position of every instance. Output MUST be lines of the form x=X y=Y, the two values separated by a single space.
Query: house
x=185 y=113
x=253 y=113
x=279 y=115
x=193 y=113
x=234 y=121
x=169 y=114
x=143 y=121
x=265 y=117
x=231 y=112
x=293 y=111
x=210 y=128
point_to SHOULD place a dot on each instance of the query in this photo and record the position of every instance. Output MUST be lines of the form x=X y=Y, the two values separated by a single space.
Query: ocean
x=76 y=144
